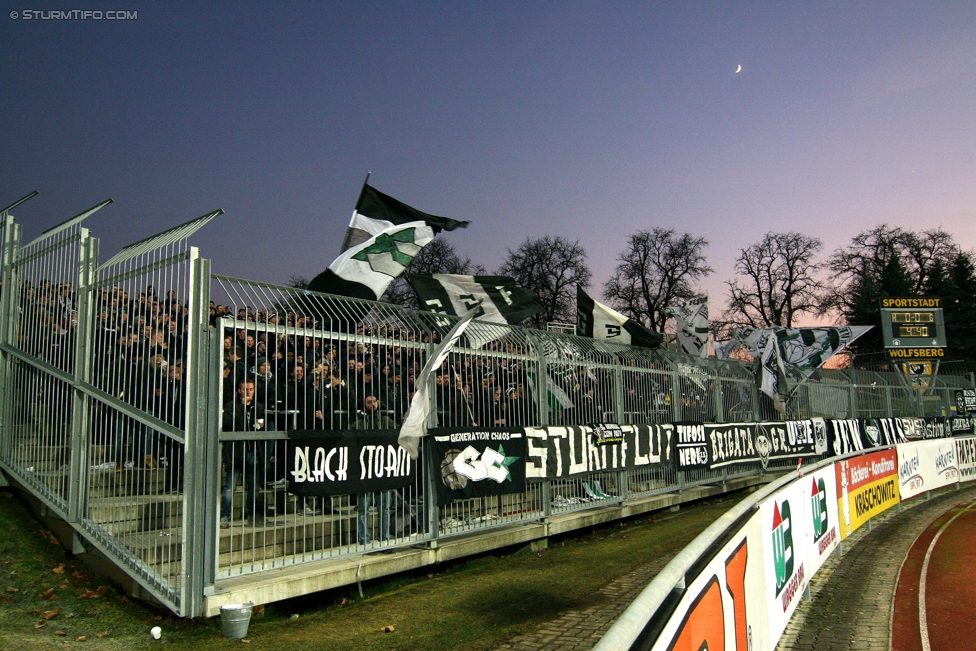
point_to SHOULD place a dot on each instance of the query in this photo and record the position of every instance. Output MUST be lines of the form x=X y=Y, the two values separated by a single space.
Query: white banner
x=966 y=458
x=926 y=465
x=725 y=606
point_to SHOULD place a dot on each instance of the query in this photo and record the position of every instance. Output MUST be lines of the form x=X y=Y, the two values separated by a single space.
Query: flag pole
x=457 y=378
x=346 y=243
x=363 y=190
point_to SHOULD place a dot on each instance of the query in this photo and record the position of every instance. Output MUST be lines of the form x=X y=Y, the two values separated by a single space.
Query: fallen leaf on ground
x=103 y=634
x=389 y=629
x=91 y=613
x=69 y=615
x=12 y=590
x=158 y=617
x=33 y=611
x=244 y=640
x=78 y=575
x=40 y=624
x=48 y=592
x=48 y=614
x=80 y=638
x=7 y=598
x=59 y=569
x=61 y=633
x=346 y=601
x=101 y=589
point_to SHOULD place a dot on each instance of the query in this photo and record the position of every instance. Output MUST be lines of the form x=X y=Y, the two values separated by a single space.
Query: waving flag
x=414 y=425
x=692 y=325
x=367 y=269
x=502 y=300
x=597 y=321
x=377 y=212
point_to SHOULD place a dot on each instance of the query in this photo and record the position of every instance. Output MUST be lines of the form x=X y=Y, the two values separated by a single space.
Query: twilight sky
x=585 y=120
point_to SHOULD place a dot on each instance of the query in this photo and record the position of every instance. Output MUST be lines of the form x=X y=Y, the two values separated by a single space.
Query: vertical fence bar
x=80 y=430
x=211 y=443
x=6 y=318
x=199 y=521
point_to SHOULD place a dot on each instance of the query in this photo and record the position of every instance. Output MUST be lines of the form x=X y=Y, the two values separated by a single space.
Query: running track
x=943 y=559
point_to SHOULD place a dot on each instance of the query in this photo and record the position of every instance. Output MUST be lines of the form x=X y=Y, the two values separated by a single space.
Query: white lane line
x=923 y=625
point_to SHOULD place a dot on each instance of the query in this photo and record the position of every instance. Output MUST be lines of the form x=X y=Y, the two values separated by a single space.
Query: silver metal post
x=80 y=431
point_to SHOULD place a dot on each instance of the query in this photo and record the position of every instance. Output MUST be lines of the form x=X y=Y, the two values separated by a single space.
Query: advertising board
x=926 y=465
x=724 y=607
x=866 y=486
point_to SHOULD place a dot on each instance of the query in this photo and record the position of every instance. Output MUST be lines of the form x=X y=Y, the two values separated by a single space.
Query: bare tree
x=778 y=281
x=298 y=281
x=657 y=268
x=551 y=267
x=438 y=257
x=872 y=252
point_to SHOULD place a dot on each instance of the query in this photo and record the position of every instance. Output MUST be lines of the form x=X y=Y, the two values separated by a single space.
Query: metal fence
x=146 y=401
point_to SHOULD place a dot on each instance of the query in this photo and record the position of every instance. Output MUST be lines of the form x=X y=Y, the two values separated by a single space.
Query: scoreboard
x=913 y=327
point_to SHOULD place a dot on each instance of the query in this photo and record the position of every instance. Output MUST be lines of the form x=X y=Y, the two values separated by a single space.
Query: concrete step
x=155 y=546
x=288 y=532
x=137 y=513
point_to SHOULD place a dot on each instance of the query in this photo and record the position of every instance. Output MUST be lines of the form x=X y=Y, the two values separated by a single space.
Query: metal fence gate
x=97 y=371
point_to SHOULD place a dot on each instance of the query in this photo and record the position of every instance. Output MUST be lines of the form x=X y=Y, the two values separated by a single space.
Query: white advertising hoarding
x=926 y=465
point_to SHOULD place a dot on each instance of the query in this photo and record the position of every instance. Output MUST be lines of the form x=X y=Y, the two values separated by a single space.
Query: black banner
x=343 y=463
x=879 y=432
x=478 y=463
x=938 y=427
x=564 y=451
x=962 y=425
x=844 y=436
x=690 y=446
x=715 y=445
x=732 y=443
x=965 y=402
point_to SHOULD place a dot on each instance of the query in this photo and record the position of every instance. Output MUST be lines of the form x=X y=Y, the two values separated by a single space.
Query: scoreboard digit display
x=913 y=327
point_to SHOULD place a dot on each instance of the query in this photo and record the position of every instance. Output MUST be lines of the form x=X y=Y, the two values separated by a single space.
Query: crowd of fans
x=322 y=381
x=286 y=370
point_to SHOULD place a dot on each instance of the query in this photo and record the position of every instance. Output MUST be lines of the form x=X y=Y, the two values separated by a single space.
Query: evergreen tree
x=959 y=309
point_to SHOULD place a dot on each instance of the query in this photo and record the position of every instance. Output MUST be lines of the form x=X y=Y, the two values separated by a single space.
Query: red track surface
x=950 y=591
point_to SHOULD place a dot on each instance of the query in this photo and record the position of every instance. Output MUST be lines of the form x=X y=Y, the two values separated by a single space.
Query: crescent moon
x=739 y=69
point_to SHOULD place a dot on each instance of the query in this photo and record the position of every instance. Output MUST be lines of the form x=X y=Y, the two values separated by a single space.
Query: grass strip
x=477 y=604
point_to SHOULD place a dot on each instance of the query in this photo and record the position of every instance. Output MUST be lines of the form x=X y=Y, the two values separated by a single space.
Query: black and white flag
x=384 y=236
x=691 y=316
x=367 y=269
x=597 y=321
x=376 y=212
x=502 y=300
x=793 y=353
